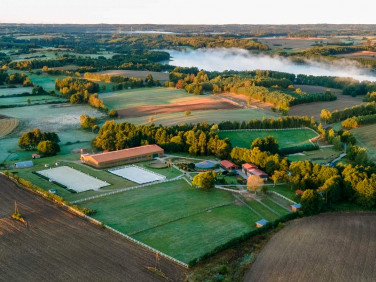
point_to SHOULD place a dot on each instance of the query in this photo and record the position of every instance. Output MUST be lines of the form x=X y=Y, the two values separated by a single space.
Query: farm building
x=251 y=169
x=121 y=157
x=24 y=164
x=35 y=156
x=296 y=207
x=261 y=223
x=227 y=165
x=205 y=165
x=299 y=192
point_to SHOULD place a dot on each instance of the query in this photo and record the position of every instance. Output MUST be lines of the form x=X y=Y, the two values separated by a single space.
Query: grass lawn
x=284 y=190
x=266 y=213
x=274 y=206
x=322 y=155
x=286 y=138
x=169 y=172
x=366 y=137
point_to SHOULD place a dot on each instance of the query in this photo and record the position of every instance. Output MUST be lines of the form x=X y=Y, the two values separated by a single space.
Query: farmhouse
x=227 y=165
x=251 y=169
x=35 y=156
x=121 y=157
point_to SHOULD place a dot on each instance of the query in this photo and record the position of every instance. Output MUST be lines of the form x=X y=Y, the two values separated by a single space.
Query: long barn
x=121 y=157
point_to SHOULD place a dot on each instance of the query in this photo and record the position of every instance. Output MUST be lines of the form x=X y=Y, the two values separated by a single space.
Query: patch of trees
x=268 y=144
x=356 y=121
x=89 y=122
x=339 y=115
x=204 y=180
x=200 y=139
x=331 y=50
x=45 y=142
x=15 y=78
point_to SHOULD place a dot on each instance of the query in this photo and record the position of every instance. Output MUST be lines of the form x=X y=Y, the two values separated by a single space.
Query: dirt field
x=360 y=54
x=328 y=247
x=314 y=109
x=193 y=105
x=59 y=246
x=7 y=126
x=161 y=76
x=312 y=89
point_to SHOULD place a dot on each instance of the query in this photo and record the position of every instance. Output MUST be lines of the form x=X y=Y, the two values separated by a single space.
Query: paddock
x=137 y=174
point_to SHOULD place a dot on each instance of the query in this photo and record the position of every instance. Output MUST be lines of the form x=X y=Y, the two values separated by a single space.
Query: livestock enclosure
x=137 y=174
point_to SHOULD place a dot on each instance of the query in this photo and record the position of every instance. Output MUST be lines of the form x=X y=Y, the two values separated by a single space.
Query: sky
x=188 y=11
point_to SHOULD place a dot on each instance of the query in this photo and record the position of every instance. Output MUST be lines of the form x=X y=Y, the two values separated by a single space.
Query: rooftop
x=125 y=153
x=227 y=164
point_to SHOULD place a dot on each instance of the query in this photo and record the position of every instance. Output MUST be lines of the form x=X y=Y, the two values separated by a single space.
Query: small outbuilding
x=251 y=169
x=228 y=165
x=261 y=223
x=299 y=192
x=24 y=164
x=296 y=207
x=35 y=156
x=205 y=165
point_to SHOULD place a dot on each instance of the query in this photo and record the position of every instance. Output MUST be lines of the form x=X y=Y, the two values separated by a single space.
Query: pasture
x=286 y=138
x=161 y=76
x=366 y=137
x=177 y=219
x=7 y=126
x=321 y=156
x=56 y=245
x=34 y=99
x=346 y=254
x=12 y=91
x=73 y=179
x=137 y=174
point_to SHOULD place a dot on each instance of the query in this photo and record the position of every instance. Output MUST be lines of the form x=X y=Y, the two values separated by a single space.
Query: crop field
x=211 y=116
x=35 y=99
x=73 y=179
x=56 y=117
x=322 y=155
x=12 y=91
x=286 y=138
x=341 y=245
x=161 y=76
x=366 y=137
x=57 y=245
x=179 y=220
x=314 y=109
x=7 y=126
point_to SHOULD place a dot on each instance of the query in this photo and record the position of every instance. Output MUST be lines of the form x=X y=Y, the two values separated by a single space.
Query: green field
x=285 y=190
x=286 y=138
x=366 y=137
x=322 y=155
x=13 y=91
x=145 y=96
x=35 y=99
x=179 y=220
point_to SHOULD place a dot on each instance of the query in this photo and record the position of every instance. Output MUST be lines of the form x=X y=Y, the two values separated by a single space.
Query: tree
x=28 y=101
x=325 y=115
x=48 y=148
x=204 y=180
x=187 y=113
x=149 y=81
x=311 y=202
x=254 y=182
x=113 y=113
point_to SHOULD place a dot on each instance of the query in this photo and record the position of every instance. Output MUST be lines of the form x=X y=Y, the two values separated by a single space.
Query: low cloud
x=220 y=59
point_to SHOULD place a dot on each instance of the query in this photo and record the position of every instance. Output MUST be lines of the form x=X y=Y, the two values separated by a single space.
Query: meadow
x=34 y=99
x=366 y=137
x=286 y=138
x=12 y=91
x=321 y=156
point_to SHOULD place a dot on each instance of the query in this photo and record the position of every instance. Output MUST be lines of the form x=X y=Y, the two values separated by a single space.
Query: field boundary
x=270 y=129
x=125 y=189
x=283 y=197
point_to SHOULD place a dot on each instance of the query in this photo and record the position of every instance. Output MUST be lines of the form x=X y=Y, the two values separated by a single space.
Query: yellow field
x=7 y=126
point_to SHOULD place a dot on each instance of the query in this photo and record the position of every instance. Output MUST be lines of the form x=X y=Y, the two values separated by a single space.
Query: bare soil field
x=312 y=89
x=314 y=109
x=192 y=105
x=327 y=247
x=56 y=245
x=161 y=76
x=360 y=54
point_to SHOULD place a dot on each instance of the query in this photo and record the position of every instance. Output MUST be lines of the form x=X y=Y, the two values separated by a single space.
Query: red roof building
x=251 y=169
x=228 y=165
x=125 y=156
x=299 y=192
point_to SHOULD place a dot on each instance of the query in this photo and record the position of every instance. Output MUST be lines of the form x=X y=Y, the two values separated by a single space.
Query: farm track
x=341 y=245
x=59 y=246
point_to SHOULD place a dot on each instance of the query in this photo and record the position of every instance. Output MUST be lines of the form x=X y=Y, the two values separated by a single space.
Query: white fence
x=283 y=197
x=125 y=189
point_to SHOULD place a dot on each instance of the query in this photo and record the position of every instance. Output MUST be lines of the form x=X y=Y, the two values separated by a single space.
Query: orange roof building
x=251 y=169
x=228 y=165
x=121 y=157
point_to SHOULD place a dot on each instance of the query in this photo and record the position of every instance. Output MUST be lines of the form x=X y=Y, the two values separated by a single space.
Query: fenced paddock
x=73 y=179
x=137 y=174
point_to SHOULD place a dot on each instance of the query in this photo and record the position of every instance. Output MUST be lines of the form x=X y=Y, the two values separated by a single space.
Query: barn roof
x=249 y=166
x=262 y=222
x=125 y=153
x=227 y=164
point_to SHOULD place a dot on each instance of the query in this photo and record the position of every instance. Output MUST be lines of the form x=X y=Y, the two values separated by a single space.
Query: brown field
x=191 y=105
x=359 y=54
x=312 y=89
x=314 y=109
x=327 y=247
x=67 y=67
x=7 y=126
x=161 y=76
x=292 y=43
x=56 y=245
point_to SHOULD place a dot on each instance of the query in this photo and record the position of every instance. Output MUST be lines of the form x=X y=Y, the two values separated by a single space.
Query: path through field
x=327 y=247
x=59 y=246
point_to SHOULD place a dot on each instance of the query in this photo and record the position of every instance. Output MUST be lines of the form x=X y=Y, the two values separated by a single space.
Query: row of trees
x=356 y=121
x=339 y=115
x=15 y=78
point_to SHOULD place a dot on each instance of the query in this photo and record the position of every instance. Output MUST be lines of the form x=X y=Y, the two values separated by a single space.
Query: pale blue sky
x=188 y=11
